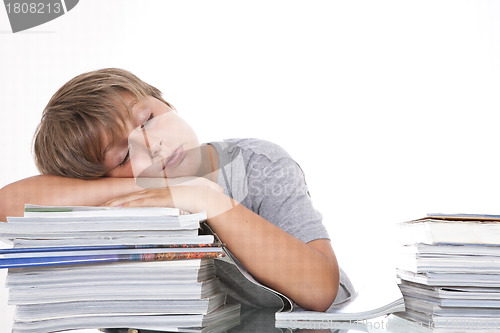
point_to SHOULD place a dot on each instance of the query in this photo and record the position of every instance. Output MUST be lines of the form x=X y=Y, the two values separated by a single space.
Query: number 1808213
x=33 y=8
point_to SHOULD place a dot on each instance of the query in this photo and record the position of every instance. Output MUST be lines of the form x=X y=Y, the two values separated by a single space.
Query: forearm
x=54 y=190
x=273 y=256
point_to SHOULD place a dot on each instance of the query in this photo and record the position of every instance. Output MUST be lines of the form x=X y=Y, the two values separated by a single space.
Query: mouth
x=175 y=158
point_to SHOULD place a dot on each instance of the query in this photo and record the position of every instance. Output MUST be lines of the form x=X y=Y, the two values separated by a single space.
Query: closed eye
x=146 y=122
x=127 y=157
x=125 y=160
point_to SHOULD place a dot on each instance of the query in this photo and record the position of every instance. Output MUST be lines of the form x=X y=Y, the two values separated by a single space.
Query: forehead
x=121 y=119
x=126 y=105
x=126 y=102
x=132 y=105
x=129 y=109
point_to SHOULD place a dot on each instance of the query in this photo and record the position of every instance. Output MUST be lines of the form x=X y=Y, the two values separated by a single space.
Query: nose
x=156 y=149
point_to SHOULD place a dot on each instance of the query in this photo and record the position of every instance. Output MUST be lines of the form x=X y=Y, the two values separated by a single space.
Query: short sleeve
x=280 y=194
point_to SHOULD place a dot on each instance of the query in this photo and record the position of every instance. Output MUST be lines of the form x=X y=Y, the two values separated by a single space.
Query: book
x=194 y=270
x=60 y=227
x=243 y=288
x=99 y=223
x=88 y=267
x=415 y=322
x=450 y=271
x=184 y=323
x=452 y=229
x=36 y=259
x=113 y=240
x=453 y=296
x=431 y=306
x=48 y=311
x=450 y=279
x=31 y=210
x=455 y=324
x=379 y=298
x=440 y=249
x=458 y=258
x=41 y=251
x=113 y=290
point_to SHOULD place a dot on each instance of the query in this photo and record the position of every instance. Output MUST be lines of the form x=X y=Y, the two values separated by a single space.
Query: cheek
x=139 y=162
x=191 y=163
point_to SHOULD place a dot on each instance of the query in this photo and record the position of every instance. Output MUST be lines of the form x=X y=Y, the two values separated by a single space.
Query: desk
x=261 y=321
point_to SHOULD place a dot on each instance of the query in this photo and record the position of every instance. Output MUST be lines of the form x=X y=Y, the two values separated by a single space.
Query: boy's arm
x=62 y=191
x=307 y=273
x=55 y=190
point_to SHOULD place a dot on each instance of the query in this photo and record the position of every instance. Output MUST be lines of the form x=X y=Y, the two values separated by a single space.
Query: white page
x=374 y=295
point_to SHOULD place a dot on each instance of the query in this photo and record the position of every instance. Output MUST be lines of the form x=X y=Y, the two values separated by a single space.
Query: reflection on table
x=262 y=321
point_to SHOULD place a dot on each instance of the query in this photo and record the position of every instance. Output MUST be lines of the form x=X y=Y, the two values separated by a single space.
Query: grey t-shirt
x=264 y=178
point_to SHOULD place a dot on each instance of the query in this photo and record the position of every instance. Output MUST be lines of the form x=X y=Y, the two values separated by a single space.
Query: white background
x=390 y=107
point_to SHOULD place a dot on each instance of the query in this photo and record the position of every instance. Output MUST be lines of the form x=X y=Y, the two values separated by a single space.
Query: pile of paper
x=145 y=268
x=450 y=272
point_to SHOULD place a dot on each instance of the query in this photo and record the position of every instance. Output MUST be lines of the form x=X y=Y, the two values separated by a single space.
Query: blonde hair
x=69 y=139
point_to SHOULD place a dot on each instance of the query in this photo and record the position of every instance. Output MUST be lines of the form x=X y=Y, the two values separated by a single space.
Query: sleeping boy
x=108 y=138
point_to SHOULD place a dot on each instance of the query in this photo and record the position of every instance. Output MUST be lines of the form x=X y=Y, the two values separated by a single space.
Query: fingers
x=161 y=183
x=144 y=202
x=118 y=202
x=145 y=198
x=186 y=198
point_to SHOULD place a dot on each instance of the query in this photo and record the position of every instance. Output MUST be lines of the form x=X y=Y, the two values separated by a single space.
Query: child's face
x=157 y=143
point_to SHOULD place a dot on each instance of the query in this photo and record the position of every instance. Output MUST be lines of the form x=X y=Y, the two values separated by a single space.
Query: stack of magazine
x=95 y=267
x=450 y=272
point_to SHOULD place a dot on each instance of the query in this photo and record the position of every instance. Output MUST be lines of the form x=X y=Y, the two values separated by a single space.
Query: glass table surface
x=262 y=321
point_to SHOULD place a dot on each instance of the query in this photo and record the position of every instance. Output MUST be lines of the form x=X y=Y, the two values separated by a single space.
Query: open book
x=378 y=299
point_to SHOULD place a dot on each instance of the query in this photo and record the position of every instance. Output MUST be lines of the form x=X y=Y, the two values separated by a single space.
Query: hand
x=191 y=199
x=185 y=193
x=144 y=198
x=182 y=197
x=159 y=183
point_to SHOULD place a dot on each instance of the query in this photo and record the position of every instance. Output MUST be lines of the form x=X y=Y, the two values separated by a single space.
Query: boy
x=106 y=137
